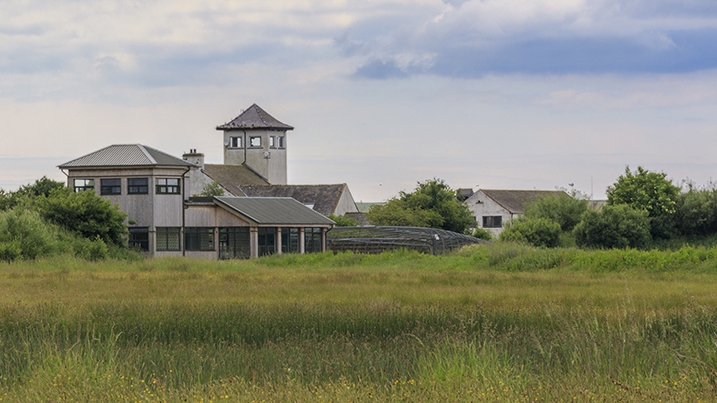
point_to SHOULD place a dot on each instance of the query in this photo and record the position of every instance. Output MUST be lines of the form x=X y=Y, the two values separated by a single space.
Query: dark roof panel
x=323 y=198
x=254 y=118
x=274 y=210
x=231 y=177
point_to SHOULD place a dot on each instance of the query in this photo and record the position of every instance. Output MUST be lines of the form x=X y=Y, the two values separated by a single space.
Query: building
x=492 y=209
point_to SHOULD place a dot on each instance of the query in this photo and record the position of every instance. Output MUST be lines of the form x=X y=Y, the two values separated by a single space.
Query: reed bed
x=396 y=327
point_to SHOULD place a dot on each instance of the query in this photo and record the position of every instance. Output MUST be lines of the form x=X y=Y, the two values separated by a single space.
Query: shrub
x=562 y=209
x=484 y=234
x=343 y=221
x=697 y=212
x=618 y=226
x=24 y=234
x=534 y=231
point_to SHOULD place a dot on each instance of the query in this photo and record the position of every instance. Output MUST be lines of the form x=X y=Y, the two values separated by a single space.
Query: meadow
x=497 y=322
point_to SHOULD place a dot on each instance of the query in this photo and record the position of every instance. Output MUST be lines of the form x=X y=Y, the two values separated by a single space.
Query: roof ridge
x=146 y=153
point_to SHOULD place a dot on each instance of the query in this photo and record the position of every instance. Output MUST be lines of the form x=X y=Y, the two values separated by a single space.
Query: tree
x=41 y=187
x=535 y=231
x=617 y=226
x=211 y=189
x=562 y=209
x=432 y=204
x=84 y=213
x=343 y=221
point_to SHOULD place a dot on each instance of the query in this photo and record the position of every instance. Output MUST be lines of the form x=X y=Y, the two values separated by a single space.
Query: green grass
x=495 y=322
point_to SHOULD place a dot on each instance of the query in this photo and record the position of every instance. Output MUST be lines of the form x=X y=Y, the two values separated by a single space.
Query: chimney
x=194 y=157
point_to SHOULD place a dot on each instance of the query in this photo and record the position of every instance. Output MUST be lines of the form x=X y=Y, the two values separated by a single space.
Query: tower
x=258 y=140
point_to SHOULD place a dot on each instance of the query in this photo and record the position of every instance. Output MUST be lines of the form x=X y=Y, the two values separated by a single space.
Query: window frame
x=137 y=189
x=489 y=221
x=162 y=239
x=89 y=184
x=251 y=142
x=199 y=239
x=235 y=142
x=167 y=189
x=107 y=189
x=142 y=243
x=272 y=141
x=313 y=236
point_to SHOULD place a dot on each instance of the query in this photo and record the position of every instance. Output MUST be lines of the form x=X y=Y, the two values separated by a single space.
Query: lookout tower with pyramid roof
x=257 y=140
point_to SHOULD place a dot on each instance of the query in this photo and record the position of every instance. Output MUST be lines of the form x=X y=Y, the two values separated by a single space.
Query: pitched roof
x=231 y=177
x=121 y=155
x=254 y=118
x=323 y=198
x=514 y=200
x=273 y=210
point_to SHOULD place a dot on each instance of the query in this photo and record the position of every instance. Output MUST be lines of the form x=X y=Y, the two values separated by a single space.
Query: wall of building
x=272 y=166
x=346 y=203
x=481 y=205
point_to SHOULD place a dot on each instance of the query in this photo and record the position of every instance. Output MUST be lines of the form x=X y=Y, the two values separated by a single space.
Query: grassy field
x=495 y=322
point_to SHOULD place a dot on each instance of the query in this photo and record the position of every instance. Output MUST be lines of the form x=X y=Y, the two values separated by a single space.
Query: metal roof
x=122 y=155
x=273 y=210
x=232 y=177
x=323 y=198
x=254 y=118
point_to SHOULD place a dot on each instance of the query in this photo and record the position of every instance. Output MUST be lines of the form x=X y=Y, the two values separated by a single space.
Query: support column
x=254 y=242
x=302 y=241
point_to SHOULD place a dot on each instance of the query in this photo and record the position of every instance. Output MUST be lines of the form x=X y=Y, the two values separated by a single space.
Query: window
x=312 y=240
x=81 y=185
x=267 y=241
x=289 y=240
x=168 y=238
x=198 y=238
x=137 y=186
x=280 y=141
x=271 y=142
x=168 y=186
x=234 y=142
x=492 y=221
x=234 y=243
x=255 y=141
x=139 y=238
x=110 y=186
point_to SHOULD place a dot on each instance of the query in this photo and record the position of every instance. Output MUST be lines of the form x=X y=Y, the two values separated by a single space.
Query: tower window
x=255 y=141
x=235 y=142
x=280 y=141
x=271 y=142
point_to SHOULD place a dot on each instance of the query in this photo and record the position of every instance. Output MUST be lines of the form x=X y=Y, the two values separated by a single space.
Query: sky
x=383 y=94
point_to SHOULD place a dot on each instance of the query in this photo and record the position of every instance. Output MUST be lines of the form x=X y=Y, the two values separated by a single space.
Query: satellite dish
x=226 y=143
x=267 y=154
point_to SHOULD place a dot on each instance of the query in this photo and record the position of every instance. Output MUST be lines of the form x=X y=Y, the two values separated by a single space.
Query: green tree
x=343 y=221
x=432 y=204
x=696 y=211
x=651 y=192
x=211 y=189
x=84 y=213
x=616 y=226
x=562 y=209
x=41 y=187
x=535 y=231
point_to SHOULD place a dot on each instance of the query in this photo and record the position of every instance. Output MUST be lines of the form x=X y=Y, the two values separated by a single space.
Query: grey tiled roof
x=254 y=118
x=324 y=198
x=121 y=155
x=231 y=177
x=514 y=200
x=273 y=210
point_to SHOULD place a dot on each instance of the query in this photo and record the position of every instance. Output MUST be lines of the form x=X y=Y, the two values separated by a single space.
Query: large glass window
x=289 y=240
x=267 y=241
x=137 y=186
x=139 y=238
x=312 y=240
x=255 y=141
x=234 y=243
x=169 y=186
x=80 y=185
x=492 y=221
x=199 y=238
x=168 y=239
x=111 y=186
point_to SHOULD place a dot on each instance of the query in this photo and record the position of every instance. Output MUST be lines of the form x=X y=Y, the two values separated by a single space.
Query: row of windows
x=255 y=141
x=112 y=187
x=233 y=242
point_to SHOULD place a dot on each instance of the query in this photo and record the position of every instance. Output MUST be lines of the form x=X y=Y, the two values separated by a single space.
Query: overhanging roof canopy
x=273 y=211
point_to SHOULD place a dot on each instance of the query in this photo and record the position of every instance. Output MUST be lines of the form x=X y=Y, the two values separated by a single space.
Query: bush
x=534 y=231
x=562 y=209
x=484 y=234
x=24 y=234
x=343 y=221
x=618 y=226
x=84 y=213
